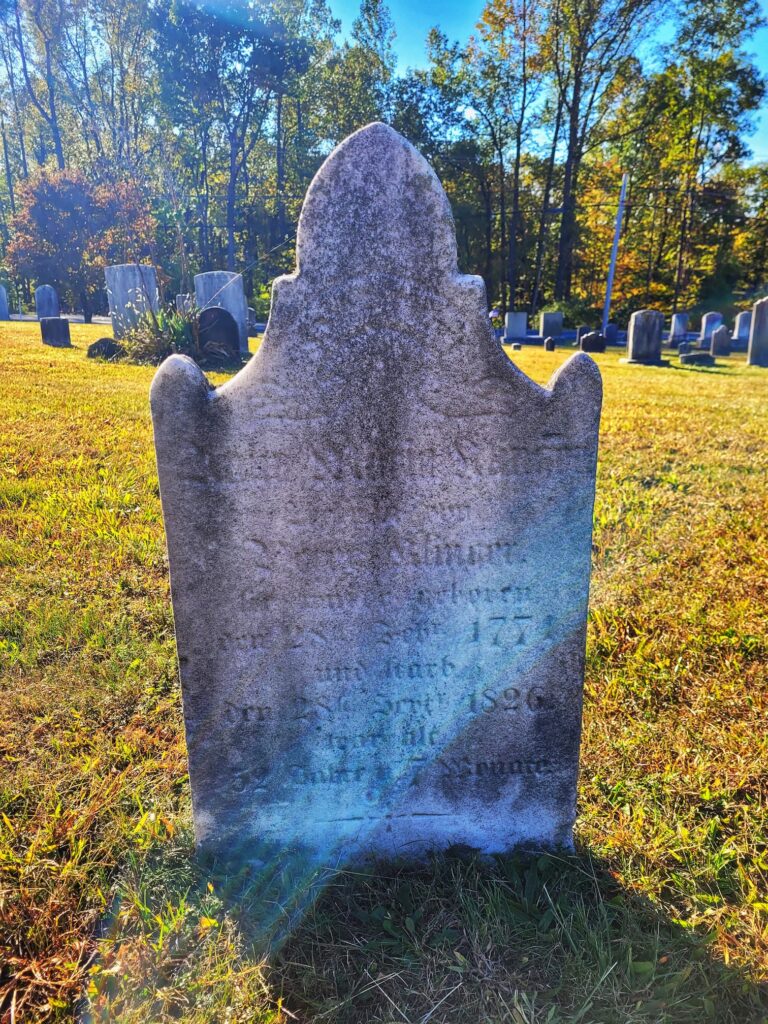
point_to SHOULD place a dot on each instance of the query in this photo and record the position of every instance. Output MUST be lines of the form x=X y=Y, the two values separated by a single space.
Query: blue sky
x=457 y=18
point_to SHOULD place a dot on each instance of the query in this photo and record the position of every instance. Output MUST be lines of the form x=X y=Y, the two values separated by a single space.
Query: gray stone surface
x=678 y=328
x=515 y=325
x=611 y=333
x=132 y=292
x=758 y=335
x=379 y=580
x=54 y=331
x=741 y=328
x=224 y=289
x=709 y=323
x=551 y=325
x=720 y=345
x=4 y=313
x=644 y=337
x=46 y=301
x=592 y=341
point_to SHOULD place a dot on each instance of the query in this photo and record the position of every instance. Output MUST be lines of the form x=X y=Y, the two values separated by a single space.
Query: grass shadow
x=550 y=939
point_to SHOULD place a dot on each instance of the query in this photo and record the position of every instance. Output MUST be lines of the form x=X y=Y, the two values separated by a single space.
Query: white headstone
x=379 y=580
x=132 y=292
x=515 y=326
x=551 y=325
x=678 y=328
x=224 y=289
x=4 y=314
x=46 y=301
x=644 y=337
x=709 y=324
x=758 y=335
x=741 y=329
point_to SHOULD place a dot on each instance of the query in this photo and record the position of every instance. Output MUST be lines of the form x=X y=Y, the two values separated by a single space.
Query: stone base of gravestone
x=218 y=337
x=55 y=332
x=592 y=342
x=697 y=358
x=549 y=345
x=105 y=348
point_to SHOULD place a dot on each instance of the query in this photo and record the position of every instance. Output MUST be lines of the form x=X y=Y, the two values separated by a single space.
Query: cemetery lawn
x=662 y=915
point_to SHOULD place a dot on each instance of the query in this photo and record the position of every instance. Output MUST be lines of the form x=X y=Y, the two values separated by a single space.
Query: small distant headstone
x=709 y=324
x=516 y=346
x=218 y=336
x=684 y=346
x=515 y=326
x=758 y=335
x=644 y=338
x=380 y=636
x=678 y=329
x=611 y=334
x=251 y=322
x=741 y=328
x=695 y=357
x=593 y=341
x=4 y=313
x=105 y=348
x=132 y=293
x=185 y=302
x=720 y=344
x=225 y=290
x=55 y=331
x=46 y=301
x=549 y=344
x=551 y=325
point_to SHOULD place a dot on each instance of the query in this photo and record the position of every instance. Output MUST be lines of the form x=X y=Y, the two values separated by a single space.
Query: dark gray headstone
x=380 y=636
x=720 y=345
x=593 y=341
x=551 y=325
x=695 y=357
x=218 y=335
x=709 y=323
x=549 y=344
x=611 y=334
x=758 y=334
x=55 y=331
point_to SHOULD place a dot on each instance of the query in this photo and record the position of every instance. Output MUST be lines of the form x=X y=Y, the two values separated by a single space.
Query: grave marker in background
x=678 y=328
x=644 y=337
x=225 y=290
x=721 y=341
x=551 y=325
x=380 y=633
x=132 y=292
x=46 y=301
x=741 y=328
x=54 y=331
x=709 y=324
x=758 y=335
x=4 y=313
x=515 y=326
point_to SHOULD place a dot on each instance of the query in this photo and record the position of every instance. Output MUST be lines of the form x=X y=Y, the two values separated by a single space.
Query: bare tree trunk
x=542 y=233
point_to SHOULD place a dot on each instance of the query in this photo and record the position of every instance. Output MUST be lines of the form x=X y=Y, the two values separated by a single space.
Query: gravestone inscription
x=380 y=634
x=757 y=354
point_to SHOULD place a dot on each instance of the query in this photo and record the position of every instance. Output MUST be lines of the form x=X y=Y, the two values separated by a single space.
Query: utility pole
x=614 y=252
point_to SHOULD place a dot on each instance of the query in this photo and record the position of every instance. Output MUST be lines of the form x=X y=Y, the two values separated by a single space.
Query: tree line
x=187 y=134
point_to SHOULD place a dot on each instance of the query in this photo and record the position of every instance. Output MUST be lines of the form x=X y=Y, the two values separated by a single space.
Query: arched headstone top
x=376 y=206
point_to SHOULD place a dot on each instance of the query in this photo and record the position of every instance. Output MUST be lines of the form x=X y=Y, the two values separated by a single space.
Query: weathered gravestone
x=709 y=324
x=515 y=326
x=4 y=314
x=549 y=344
x=54 y=331
x=551 y=325
x=741 y=327
x=46 y=301
x=721 y=341
x=592 y=341
x=379 y=581
x=220 y=288
x=644 y=338
x=132 y=293
x=678 y=329
x=758 y=335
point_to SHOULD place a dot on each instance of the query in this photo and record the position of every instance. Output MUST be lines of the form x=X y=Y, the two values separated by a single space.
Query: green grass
x=661 y=916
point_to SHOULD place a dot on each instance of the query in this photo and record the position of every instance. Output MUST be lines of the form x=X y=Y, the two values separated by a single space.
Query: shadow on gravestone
x=379 y=587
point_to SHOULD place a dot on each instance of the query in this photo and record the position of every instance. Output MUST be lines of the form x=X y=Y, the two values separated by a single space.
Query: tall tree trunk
x=567 y=241
x=231 y=204
x=542 y=232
